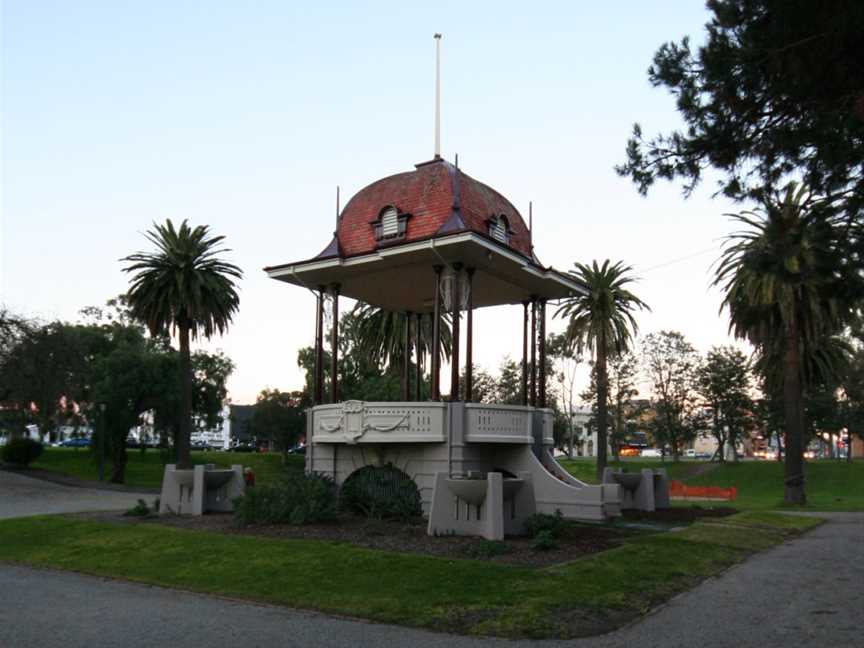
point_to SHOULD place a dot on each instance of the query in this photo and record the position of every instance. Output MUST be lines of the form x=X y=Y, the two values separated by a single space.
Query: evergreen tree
x=776 y=91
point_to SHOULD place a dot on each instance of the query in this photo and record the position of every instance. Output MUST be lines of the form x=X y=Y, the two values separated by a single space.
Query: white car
x=651 y=452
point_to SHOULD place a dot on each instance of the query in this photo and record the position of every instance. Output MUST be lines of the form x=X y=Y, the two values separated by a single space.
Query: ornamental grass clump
x=295 y=499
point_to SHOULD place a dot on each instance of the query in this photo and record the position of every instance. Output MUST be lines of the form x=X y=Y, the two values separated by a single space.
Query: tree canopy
x=775 y=93
x=105 y=374
x=670 y=363
x=184 y=286
x=602 y=321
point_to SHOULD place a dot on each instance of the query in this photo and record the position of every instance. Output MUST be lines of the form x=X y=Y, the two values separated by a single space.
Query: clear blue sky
x=245 y=116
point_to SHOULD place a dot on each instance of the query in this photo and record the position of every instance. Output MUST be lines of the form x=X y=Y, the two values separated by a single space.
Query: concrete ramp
x=556 y=489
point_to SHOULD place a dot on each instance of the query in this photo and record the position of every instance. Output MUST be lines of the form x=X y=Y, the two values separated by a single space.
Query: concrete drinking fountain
x=646 y=490
x=489 y=505
x=192 y=491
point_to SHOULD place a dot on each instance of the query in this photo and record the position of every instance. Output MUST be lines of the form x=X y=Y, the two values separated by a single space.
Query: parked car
x=651 y=452
x=298 y=449
x=75 y=443
x=242 y=447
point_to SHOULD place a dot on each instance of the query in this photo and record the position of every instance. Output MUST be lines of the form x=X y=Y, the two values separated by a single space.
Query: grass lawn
x=144 y=470
x=831 y=485
x=585 y=596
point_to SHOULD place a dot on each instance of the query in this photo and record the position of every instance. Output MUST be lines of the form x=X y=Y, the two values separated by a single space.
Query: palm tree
x=382 y=335
x=184 y=288
x=602 y=322
x=790 y=284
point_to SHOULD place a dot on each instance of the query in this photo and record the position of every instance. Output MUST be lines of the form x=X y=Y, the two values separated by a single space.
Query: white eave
x=401 y=277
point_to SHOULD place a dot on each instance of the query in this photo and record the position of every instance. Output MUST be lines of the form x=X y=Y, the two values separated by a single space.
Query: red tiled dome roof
x=438 y=199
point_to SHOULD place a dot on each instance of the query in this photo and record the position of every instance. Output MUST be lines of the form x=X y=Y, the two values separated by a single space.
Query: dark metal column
x=525 y=353
x=417 y=353
x=533 y=402
x=542 y=369
x=454 y=348
x=406 y=358
x=334 y=347
x=318 y=391
x=469 y=339
x=435 y=372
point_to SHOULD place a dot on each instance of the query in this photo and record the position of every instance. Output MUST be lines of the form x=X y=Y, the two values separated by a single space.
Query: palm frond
x=183 y=282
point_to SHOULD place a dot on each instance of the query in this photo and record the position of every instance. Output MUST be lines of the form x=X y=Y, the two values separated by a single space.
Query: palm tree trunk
x=184 y=459
x=792 y=407
x=602 y=388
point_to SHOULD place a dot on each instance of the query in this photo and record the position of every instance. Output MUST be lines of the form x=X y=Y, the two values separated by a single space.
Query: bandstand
x=433 y=241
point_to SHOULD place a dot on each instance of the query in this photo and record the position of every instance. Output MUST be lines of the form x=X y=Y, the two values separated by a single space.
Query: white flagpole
x=437 y=96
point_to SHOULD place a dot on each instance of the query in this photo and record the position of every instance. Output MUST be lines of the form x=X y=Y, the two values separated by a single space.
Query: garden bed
x=575 y=541
x=680 y=514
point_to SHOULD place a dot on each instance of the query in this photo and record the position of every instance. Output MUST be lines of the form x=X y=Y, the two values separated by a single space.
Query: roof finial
x=531 y=225
x=337 y=207
x=437 y=96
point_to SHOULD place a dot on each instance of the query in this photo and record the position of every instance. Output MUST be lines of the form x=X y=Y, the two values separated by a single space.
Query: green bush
x=486 y=549
x=540 y=522
x=21 y=451
x=139 y=510
x=544 y=541
x=297 y=498
x=381 y=492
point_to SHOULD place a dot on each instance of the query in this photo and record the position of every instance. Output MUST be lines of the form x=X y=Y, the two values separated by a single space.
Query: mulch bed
x=575 y=541
x=680 y=514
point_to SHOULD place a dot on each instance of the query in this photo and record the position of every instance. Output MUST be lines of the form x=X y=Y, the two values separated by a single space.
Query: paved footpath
x=22 y=496
x=806 y=592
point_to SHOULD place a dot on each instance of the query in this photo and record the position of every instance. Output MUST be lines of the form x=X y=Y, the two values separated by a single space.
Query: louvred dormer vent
x=391 y=225
x=499 y=229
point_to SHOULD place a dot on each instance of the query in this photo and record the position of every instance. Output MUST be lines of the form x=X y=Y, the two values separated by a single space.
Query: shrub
x=139 y=510
x=486 y=549
x=297 y=498
x=544 y=541
x=21 y=451
x=540 y=522
x=381 y=492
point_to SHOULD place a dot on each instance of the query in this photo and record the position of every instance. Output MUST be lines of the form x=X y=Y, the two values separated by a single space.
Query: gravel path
x=803 y=593
x=22 y=496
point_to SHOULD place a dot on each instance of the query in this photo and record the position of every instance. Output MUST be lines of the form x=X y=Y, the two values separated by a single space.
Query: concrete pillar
x=493 y=507
x=198 y=490
x=645 y=492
